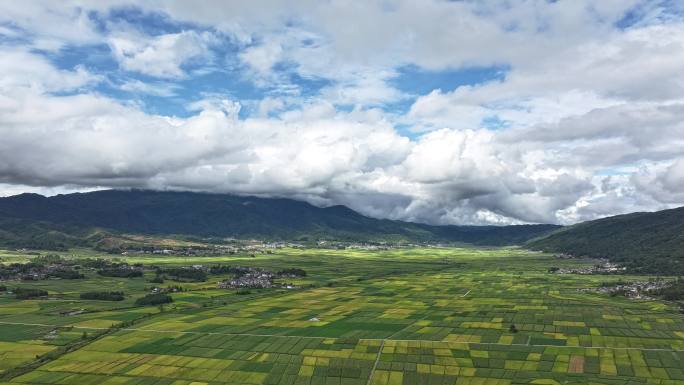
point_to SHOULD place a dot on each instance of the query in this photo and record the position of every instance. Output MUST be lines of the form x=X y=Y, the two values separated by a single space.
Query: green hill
x=644 y=242
x=72 y=218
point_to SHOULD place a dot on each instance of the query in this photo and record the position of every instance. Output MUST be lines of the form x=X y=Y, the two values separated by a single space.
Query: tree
x=513 y=329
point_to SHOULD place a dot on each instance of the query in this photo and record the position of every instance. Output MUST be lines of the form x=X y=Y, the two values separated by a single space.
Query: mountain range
x=82 y=218
x=644 y=242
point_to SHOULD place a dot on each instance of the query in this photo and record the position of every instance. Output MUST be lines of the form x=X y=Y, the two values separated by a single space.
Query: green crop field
x=397 y=317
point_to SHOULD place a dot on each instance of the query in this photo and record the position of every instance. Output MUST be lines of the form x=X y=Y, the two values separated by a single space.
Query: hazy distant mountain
x=645 y=242
x=68 y=218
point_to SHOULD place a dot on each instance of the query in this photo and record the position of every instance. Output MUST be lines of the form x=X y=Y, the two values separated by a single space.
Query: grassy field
x=410 y=316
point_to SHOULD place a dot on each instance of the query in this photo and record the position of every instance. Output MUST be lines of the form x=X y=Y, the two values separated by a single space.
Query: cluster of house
x=170 y=289
x=634 y=290
x=249 y=278
x=253 y=278
x=602 y=267
x=185 y=251
x=262 y=247
x=246 y=246
x=563 y=256
x=361 y=245
x=31 y=272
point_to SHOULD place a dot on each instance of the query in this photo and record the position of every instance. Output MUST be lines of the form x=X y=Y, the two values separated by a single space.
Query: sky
x=443 y=112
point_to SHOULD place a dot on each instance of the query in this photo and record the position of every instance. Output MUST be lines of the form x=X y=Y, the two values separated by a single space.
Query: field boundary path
x=375 y=364
x=319 y=338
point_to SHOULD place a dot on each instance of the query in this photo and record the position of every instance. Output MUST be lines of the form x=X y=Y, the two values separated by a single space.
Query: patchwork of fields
x=419 y=316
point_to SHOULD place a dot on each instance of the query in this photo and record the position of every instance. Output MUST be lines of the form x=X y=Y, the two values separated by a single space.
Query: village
x=603 y=266
x=644 y=290
x=40 y=270
x=255 y=278
x=193 y=251
x=253 y=247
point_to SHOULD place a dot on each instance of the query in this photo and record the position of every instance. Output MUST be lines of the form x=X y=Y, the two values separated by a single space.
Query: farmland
x=406 y=316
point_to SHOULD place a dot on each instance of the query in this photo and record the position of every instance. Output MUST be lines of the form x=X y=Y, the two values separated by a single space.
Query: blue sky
x=472 y=112
x=221 y=72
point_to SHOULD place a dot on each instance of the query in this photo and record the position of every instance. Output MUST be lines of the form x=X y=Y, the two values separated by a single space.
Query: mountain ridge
x=644 y=242
x=225 y=215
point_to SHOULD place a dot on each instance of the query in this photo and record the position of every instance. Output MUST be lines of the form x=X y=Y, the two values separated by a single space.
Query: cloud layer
x=314 y=101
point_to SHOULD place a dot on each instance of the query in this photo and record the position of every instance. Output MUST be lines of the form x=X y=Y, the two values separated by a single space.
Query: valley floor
x=411 y=316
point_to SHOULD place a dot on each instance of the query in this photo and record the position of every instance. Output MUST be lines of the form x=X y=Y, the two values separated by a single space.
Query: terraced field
x=419 y=316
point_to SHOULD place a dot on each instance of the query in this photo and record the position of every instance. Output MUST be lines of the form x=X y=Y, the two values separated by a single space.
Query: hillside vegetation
x=644 y=242
x=31 y=220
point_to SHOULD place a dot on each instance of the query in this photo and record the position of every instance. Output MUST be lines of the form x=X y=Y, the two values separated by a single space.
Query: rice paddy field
x=397 y=317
